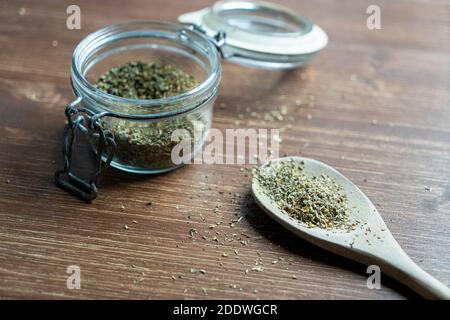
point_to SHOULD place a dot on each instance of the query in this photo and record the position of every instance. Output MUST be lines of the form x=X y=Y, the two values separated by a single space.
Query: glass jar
x=141 y=136
x=136 y=135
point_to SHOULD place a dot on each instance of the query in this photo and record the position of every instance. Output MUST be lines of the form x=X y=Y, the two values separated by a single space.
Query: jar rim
x=109 y=34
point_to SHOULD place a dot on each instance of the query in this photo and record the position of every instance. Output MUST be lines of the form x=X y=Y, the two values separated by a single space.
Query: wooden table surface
x=374 y=104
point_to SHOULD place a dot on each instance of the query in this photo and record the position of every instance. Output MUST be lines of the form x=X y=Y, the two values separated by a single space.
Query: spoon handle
x=401 y=267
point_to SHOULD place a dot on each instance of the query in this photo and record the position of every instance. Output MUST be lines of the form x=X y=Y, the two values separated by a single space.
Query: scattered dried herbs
x=317 y=201
x=195 y=270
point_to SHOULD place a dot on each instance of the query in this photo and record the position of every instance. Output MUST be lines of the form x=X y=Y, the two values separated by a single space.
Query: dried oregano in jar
x=141 y=80
x=147 y=143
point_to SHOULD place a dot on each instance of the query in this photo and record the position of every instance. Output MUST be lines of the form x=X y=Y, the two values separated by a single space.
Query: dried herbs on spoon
x=317 y=201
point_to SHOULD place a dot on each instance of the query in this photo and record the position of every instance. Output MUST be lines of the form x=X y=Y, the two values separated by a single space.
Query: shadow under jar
x=136 y=135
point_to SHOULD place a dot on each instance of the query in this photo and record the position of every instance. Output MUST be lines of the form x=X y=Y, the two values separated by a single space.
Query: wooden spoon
x=370 y=243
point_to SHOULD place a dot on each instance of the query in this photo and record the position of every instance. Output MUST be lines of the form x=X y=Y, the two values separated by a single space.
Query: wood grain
x=380 y=115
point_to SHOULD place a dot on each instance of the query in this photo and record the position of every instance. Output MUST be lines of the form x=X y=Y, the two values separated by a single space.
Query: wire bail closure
x=218 y=39
x=88 y=122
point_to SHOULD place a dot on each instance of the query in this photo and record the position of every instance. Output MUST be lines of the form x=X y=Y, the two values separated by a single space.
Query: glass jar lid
x=260 y=34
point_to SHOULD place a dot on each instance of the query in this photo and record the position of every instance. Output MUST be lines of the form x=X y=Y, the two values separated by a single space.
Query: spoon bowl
x=369 y=241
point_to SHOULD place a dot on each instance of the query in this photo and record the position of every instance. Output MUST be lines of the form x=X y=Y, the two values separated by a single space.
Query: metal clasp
x=218 y=39
x=88 y=121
